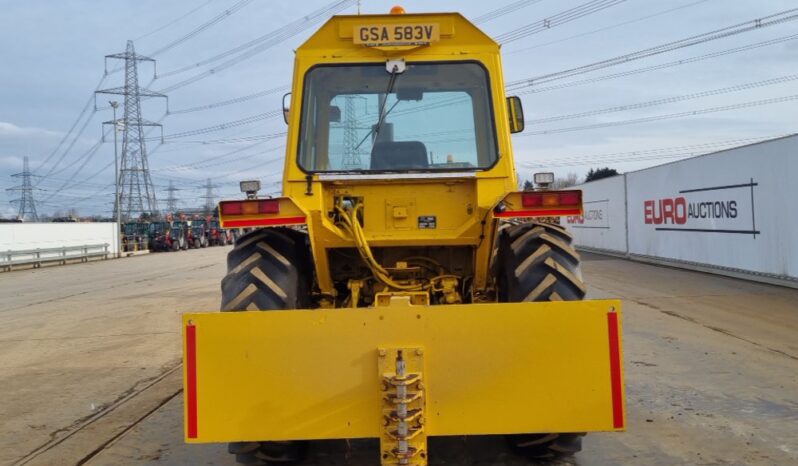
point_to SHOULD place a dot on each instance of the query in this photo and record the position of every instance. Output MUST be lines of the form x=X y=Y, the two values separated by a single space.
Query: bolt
x=419 y=351
x=382 y=353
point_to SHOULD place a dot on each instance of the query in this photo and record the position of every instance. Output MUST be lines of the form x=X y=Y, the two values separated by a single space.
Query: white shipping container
x=25 y=236
x=732 y=209
x=603 y=224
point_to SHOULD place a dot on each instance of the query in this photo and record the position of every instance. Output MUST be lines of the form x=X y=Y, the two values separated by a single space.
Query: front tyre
x=537 y=262
x=268 y=269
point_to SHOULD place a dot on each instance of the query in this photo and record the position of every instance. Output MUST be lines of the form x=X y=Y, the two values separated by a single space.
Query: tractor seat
x=399 y=155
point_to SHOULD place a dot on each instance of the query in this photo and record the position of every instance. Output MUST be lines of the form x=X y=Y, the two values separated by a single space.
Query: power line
x=645 y=154
x=265 y=162
x=174 y=21
x=777 y=18
x=534 y=90
x=216 y=159
x=486 y=17
x=558 y=19
x=703 y=111
x=235 y=100
x=279 y=33
x=250 y=169
x=69 y=133
x=87 y=156
x=607 y=28
x=258 y=137
x=668 y=100
x=256 y=46
x=211 y=22
x=661 y=66
x=507 y=9
x=226 y=125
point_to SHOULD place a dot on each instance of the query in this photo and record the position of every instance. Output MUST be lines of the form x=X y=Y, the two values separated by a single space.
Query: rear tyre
x=268 y=269
x=537 y=262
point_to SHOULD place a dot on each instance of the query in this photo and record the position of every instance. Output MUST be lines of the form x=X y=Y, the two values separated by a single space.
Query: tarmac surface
x=90 y=368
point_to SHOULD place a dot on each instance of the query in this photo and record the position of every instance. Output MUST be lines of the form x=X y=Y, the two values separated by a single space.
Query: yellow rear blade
x=489 y=369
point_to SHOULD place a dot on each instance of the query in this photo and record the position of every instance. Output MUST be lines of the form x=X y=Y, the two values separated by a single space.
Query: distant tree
x=570 y=179
x=599 y=173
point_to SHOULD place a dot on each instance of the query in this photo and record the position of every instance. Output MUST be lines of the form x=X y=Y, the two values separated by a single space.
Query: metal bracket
x=397 y=66
x=403 y=440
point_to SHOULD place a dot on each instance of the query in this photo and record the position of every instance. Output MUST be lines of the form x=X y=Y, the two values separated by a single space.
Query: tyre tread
x=537 y=262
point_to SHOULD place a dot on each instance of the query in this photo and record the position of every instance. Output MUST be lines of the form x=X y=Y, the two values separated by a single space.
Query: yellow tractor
x=410 y=290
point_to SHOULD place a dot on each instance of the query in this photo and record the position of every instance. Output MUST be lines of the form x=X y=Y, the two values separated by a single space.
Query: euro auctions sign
x=705 y=209
x=596 y=215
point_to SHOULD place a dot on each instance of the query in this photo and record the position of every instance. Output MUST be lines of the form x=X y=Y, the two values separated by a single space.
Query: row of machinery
x=175 y=235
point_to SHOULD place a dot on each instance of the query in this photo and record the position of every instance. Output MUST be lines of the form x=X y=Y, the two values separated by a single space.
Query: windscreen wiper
x=383 y=114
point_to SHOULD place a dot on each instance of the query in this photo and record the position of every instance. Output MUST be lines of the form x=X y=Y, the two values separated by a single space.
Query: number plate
x=396 y=34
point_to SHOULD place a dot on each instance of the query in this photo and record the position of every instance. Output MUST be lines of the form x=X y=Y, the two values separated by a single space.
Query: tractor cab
x=130 y=228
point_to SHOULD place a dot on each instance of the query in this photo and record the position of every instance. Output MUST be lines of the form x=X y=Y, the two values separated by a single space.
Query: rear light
x=551 y=199
x=571 y=198
x=531 y=199
x=263 y=206
x=249 y=208
x=232 y=208
x=269 y=206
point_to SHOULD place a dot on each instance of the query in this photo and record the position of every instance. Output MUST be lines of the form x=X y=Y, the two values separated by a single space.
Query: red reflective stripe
x=191 y=380
x=538 y=213
x=615 y=370
x=259 y=222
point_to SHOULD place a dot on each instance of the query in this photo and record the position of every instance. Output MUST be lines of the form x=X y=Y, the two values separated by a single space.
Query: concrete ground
x=89 y=368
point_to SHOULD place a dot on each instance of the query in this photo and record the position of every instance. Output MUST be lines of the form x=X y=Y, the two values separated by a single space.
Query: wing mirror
x=516 y=112
x=286 y=107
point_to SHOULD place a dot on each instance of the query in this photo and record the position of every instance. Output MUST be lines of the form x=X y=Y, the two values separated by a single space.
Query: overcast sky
x=52 y=61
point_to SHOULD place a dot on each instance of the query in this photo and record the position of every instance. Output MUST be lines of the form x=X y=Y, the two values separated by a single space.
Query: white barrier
x=603 y=225
x=27 y=236
x=731 y=212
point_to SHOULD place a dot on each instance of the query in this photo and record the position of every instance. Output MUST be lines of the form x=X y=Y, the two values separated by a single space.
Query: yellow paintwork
x=486 y=368
x=489 y=369
x=460 y=203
